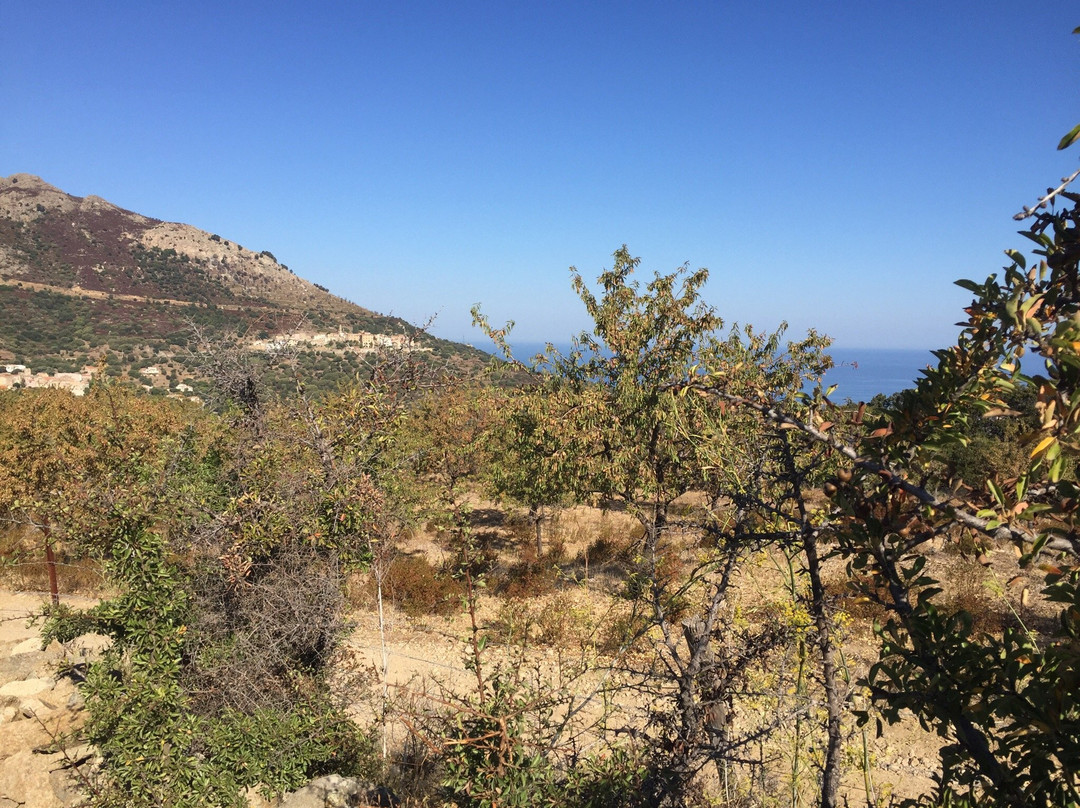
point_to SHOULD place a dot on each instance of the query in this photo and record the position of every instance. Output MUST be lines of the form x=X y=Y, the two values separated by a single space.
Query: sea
x=858 y=373
x=861 y=373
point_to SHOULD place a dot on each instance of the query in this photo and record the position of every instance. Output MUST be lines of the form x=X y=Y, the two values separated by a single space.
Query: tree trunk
x=830 y=780
x=537 y=514
x=50 y=562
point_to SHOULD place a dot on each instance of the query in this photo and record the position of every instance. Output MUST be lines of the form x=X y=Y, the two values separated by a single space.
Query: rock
x=33 y=644
x=25 y=782
x=62 y=690
x=35 y=707
x=335 y=791
x=23 y=666
x=22 y=736
x=25 y=688
x=68 y=788
x=71 y=771
x=77 y=755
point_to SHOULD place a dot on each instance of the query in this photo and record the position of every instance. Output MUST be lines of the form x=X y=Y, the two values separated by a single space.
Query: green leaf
x=1018 y=257
x=996 y=492
x=1070 y=138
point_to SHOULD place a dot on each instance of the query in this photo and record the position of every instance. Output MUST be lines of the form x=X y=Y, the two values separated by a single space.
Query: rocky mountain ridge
x=82 y=280
x=91 y=244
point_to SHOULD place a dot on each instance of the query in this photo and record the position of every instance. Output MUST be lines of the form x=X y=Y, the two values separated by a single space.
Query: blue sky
x=834 y=164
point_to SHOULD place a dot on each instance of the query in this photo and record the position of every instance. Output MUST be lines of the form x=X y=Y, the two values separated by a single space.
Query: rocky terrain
x=40 y=706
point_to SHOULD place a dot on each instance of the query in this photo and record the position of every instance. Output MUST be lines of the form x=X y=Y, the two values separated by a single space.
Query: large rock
x=24 y=688
x=28 y=646
x=23 y=666
x=25 y=782
x=335 y=791
x=71 y=772
x=24 y=735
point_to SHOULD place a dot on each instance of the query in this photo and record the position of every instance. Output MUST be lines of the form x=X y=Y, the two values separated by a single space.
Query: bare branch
x=1026 y=212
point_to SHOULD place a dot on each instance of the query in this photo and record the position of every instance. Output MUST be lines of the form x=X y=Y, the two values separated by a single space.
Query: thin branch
x=893 y=478
x=1023 y=214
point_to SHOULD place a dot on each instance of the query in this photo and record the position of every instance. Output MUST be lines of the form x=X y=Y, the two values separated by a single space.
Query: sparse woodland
x=236 y=541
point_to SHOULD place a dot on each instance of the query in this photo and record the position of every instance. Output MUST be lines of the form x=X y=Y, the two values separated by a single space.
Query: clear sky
x=834 y=164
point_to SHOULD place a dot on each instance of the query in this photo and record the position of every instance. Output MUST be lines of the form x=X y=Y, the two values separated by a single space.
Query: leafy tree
x=615 y=422
x=1007 y=704
x=70 y=465
x=447 y=428
x=531 y=460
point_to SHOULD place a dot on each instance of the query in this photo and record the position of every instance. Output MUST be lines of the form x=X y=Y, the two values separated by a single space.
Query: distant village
x=361 y=340
x=15 y=376
x=20 y=376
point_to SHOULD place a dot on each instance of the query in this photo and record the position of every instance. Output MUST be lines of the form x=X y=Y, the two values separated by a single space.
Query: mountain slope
x=81 y=277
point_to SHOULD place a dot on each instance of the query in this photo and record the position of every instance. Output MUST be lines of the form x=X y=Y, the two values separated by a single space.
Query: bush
x=622 y=630
x=418 y=588
x=529 y=579
x=163 y=742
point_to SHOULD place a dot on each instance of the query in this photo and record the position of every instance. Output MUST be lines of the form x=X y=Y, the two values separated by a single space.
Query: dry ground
x=571 y=612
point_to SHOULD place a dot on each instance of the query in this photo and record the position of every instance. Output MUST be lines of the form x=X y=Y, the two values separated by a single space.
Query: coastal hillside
x=83 y=280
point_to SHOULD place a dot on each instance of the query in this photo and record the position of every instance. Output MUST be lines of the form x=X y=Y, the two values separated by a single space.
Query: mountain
x=82 y=279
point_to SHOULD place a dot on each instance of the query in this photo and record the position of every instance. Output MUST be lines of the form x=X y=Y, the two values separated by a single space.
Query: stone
x=25 y=688
x=69 y=785
x=35 y=707
x=23 y=666
x=334 y=791
x=23 y=735
x=27 y=646
x=25 y=782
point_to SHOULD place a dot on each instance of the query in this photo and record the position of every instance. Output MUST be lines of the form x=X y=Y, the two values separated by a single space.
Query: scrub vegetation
x=235 y=538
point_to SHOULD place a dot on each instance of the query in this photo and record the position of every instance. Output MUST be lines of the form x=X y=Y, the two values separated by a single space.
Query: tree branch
x=1023 y=214
x=891 y=477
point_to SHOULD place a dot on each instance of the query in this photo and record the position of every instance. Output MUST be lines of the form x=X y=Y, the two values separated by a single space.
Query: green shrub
x=156 y=748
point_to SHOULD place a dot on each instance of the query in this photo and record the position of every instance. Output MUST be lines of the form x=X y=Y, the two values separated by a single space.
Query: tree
x=69 y=465
x=1008 y=704
x=530 y=459
x=614 y=422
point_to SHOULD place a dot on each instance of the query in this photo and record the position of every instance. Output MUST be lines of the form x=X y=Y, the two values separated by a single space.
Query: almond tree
x=621 y=429
x=68 y=463
x=530 y=457
x=1007 y=705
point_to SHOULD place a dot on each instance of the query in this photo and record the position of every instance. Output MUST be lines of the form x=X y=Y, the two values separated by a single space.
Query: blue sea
x=859 y=373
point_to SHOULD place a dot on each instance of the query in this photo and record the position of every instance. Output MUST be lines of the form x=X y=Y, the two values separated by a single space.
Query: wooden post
x=50 y=562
